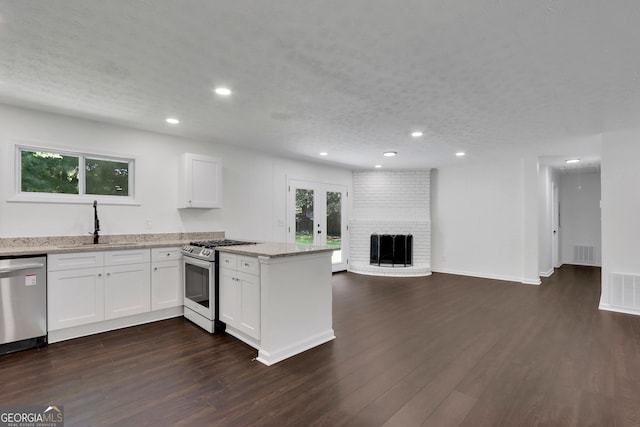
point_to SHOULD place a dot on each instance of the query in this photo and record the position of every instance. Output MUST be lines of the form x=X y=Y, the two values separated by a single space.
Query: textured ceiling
x=350 y=77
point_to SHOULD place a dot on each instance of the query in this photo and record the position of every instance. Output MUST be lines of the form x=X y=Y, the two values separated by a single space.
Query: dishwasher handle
x=8 y=270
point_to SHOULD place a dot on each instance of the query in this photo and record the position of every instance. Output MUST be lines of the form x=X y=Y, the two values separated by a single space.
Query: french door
x=317 y=216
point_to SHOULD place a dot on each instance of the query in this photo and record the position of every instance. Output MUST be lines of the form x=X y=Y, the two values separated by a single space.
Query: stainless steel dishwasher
x=23 y=302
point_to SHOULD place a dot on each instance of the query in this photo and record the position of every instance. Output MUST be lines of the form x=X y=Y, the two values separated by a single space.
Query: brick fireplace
x=391 y=203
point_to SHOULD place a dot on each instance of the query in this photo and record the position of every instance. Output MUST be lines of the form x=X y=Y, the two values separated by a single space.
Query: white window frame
x=80 y=198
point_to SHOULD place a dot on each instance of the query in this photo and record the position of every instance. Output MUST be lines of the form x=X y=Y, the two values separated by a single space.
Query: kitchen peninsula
x=277 y=297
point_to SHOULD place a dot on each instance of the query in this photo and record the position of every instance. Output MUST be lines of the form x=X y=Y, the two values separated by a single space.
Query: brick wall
x=391 y=202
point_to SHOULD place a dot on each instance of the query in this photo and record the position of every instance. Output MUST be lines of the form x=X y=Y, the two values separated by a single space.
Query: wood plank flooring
x=437 y=351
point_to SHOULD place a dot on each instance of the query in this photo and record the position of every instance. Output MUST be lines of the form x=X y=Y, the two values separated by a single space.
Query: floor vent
x=584 y=254
x=625 y=290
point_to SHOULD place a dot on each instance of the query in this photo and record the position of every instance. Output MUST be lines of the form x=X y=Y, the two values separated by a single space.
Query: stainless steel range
x=200 y=281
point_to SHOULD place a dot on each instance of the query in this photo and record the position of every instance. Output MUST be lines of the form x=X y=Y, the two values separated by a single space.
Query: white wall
x=254 y=184
x=621 y=220
x=479 y=215
x=580 y=216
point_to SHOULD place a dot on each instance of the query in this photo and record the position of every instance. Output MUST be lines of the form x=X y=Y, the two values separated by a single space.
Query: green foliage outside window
x=58 y=173
x=49 y=173
x=107 y=177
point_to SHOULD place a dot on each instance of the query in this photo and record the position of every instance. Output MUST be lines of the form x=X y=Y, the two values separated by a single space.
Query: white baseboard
x=625 y=310
x=525 y=281
x=582 y=264
x=547 y=273
x=275 y=356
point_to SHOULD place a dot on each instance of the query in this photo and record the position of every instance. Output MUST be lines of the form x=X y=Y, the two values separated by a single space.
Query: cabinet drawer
x=133 y=256
x=228 y=260
x=249 y=265
x=165 y=254
x=70 y=261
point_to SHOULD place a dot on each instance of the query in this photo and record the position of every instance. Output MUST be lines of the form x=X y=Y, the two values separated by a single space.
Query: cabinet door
x=201 y=181
x=166 y=285
x=127 y=290
x=248 y=286
x=229 y=297
x=75 y=297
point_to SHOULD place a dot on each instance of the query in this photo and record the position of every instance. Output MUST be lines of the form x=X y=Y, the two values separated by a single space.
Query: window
x=68 y=176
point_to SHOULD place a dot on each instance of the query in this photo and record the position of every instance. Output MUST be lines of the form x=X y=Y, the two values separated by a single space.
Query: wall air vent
x=584 y=255
x=625 y=290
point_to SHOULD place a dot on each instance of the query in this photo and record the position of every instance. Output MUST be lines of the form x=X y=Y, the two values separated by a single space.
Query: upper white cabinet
x=200 y=181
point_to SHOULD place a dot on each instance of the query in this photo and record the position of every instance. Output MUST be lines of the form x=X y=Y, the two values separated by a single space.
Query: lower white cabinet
x=239 y=283
x=88 y=287
x=75 y=297
x=167 y=289
x=127 y=290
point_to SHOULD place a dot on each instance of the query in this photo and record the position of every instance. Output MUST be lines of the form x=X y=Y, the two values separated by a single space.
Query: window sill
x=72 y=199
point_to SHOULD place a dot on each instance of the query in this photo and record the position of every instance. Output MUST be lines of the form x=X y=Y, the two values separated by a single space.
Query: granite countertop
x=274 y=249
x=65 y=244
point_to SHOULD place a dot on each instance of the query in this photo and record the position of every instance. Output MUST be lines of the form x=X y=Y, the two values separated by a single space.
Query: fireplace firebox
x=391 y=249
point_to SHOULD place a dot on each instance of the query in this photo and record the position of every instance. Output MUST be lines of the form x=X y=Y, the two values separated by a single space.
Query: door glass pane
x=304 y=216
x=334 y=224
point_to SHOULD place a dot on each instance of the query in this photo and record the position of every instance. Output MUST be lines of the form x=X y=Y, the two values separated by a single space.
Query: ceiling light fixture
x=223 y=91
x=460 y=153
x=172 y=120
x=416 y=134
x=378 y=166
x=324 y=153
x=572 y=161
x=389 y=153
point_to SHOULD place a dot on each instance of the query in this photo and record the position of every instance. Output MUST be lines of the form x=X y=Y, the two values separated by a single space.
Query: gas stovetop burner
x=221 y=242
x=205 y=249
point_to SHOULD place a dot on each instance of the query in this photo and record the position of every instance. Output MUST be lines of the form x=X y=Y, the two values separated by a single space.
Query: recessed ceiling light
x=324 y=153
x=460 y=153
x=378 y=166
x=572 y=161
x=172 y=120
x=223 y=91
x=389 y=153
x=416 y=134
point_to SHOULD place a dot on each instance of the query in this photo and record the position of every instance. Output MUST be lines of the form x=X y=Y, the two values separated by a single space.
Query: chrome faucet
x=96 y=223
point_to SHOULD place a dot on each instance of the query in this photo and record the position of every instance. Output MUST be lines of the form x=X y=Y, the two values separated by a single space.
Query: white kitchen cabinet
x=166 y=278
x=127 y=287
x=75 y=297
x=127 y=290
x=87 y=287
x=200 y=181
x=239 y=283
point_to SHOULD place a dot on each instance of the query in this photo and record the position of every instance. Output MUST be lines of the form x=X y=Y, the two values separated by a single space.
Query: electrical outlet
x=147 y=224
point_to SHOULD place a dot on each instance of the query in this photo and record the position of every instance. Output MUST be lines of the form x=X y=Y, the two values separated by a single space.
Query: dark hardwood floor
x=441 y=350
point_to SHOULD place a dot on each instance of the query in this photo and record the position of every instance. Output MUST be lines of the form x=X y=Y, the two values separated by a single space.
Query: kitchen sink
x=99 y=245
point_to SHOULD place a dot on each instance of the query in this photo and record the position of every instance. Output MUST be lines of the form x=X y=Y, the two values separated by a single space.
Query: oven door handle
x=198 y=262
